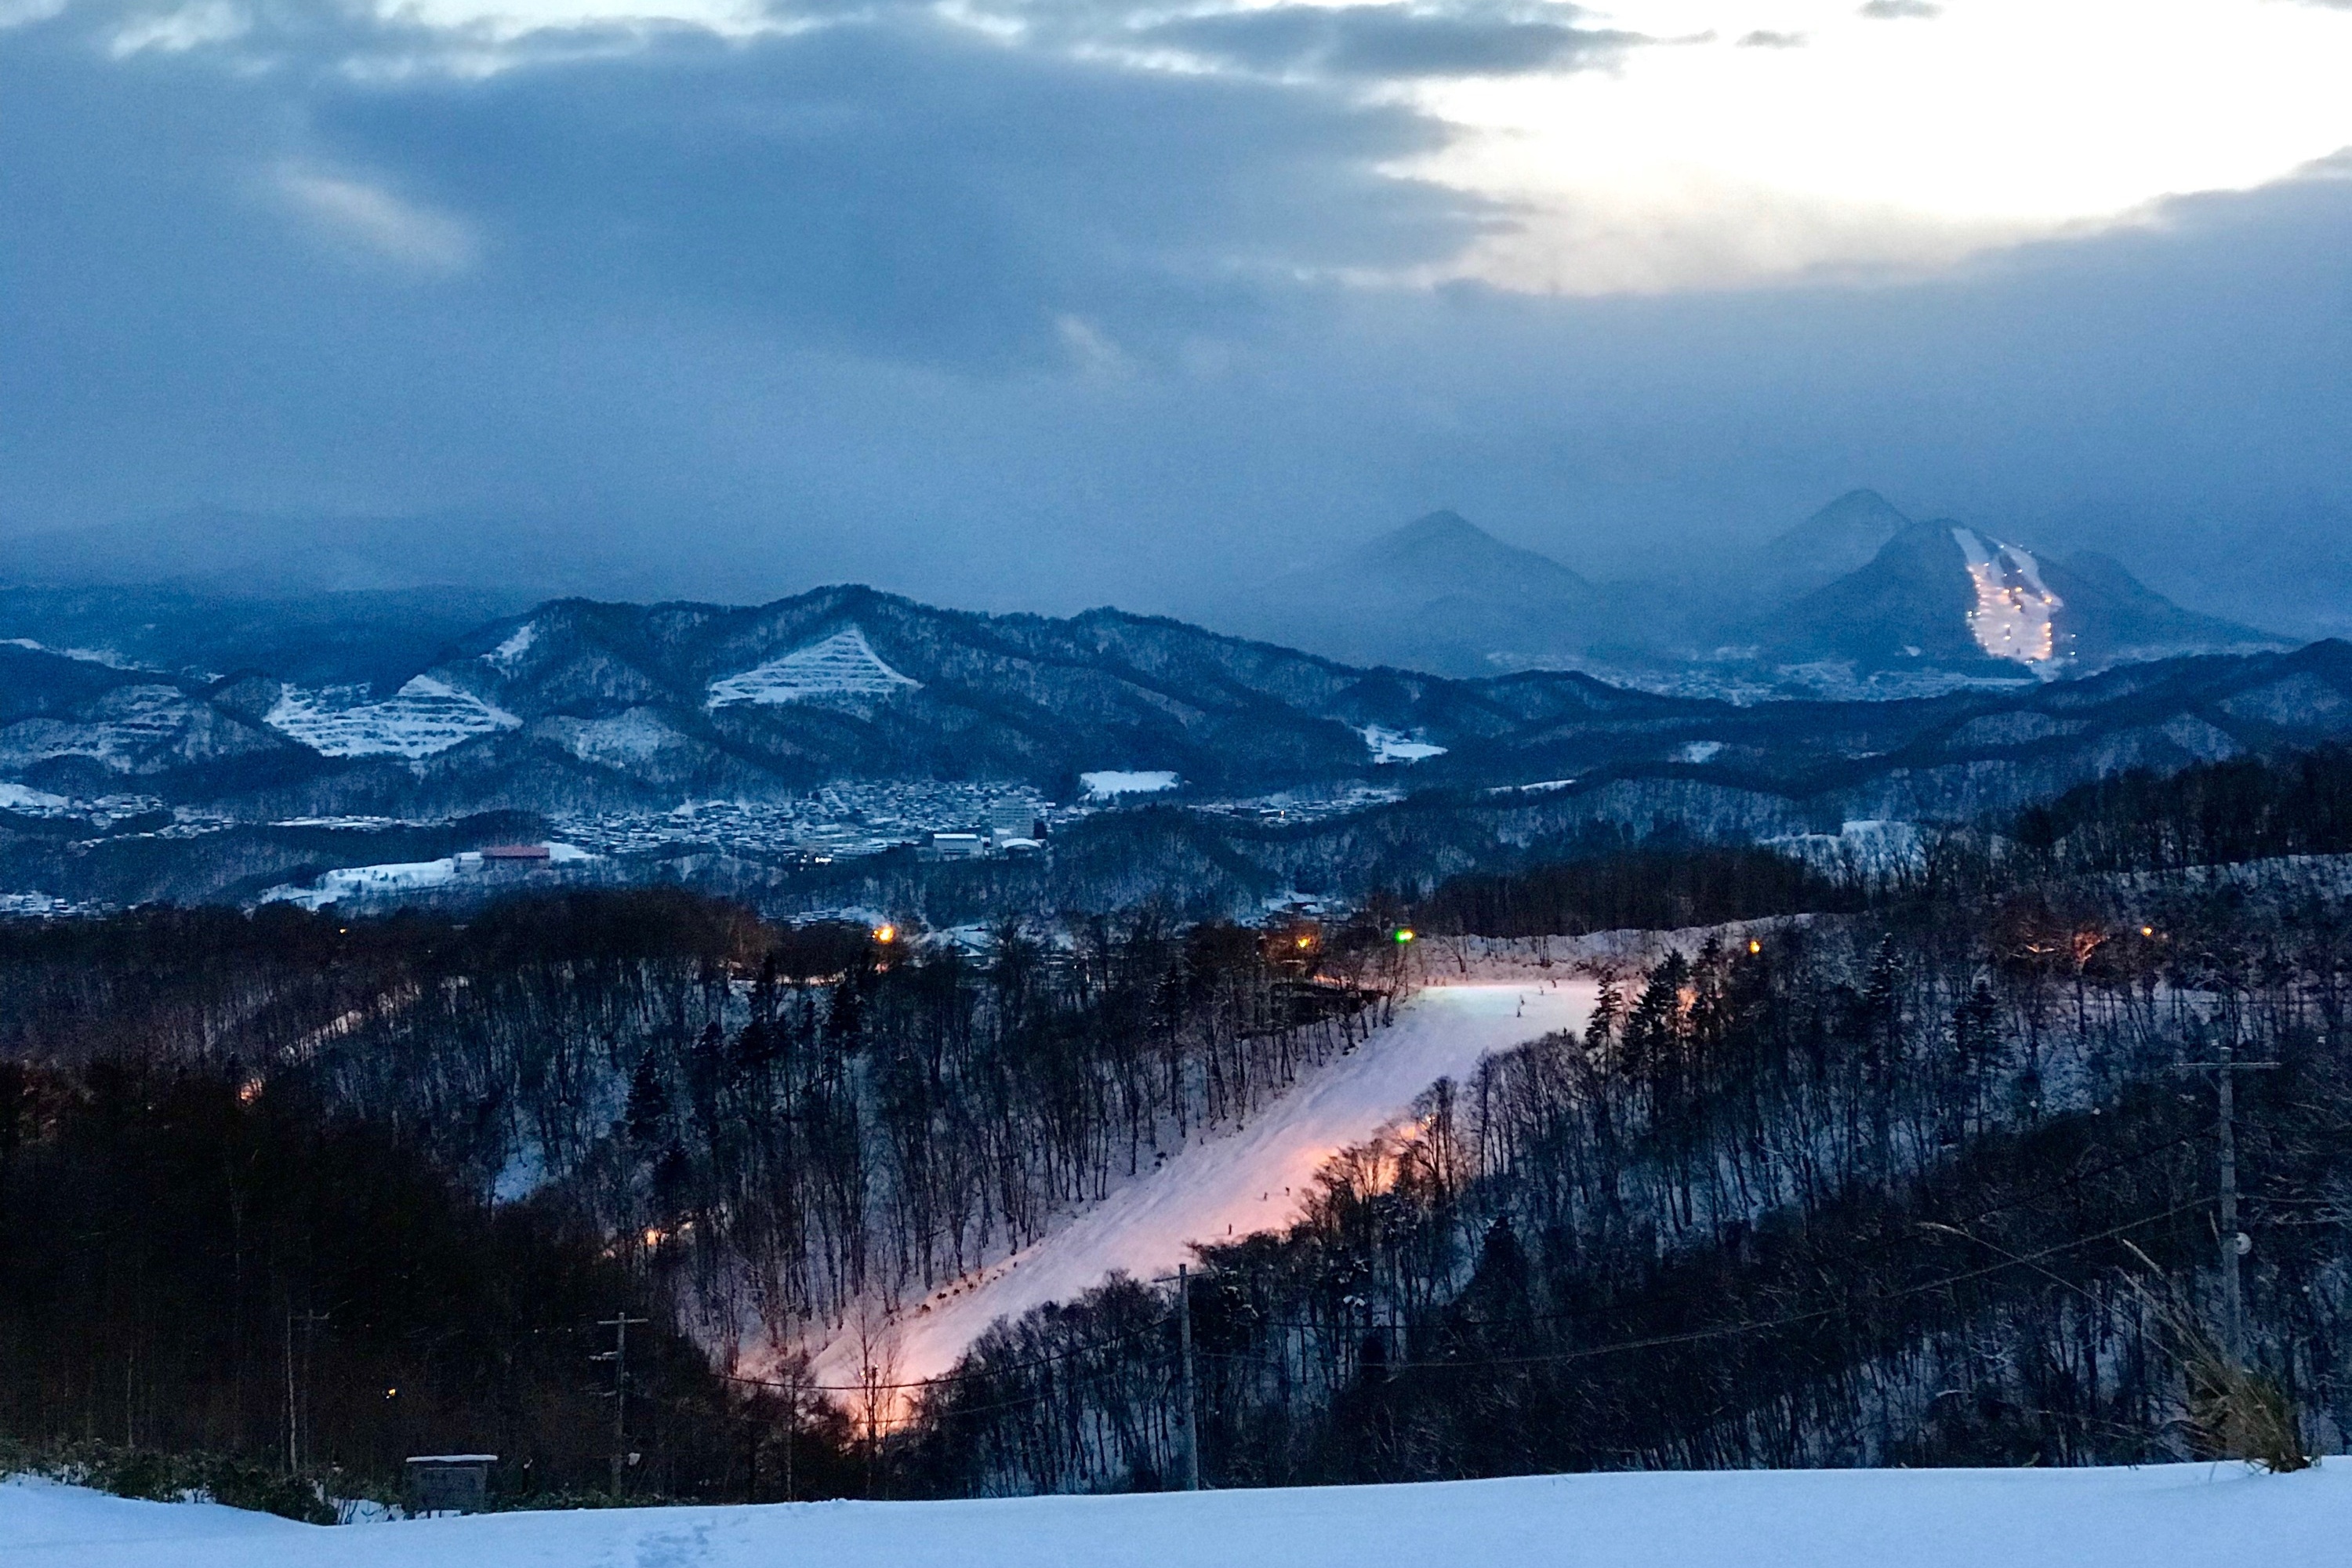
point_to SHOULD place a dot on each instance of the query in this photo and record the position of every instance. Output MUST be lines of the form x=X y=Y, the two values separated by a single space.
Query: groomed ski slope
x=2168 y=1516
x=1257 y=1178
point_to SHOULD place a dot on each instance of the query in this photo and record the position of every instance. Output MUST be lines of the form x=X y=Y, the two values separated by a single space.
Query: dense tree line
x=196 y=1261
x=1610 y=881
x=2213 y=814
x=772 y=1129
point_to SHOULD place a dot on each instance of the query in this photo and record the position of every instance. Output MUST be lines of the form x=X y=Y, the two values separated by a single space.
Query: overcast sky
x=1071 y=301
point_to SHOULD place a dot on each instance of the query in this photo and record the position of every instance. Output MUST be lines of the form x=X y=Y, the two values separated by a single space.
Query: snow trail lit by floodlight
x=2012 y=618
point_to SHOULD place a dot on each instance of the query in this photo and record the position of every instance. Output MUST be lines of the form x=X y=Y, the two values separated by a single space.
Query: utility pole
x=310 y=1320
x=2235 y=1242
x=1184 y=1339
x=619 y=1356
x=293 y=1447
x=792 y=1422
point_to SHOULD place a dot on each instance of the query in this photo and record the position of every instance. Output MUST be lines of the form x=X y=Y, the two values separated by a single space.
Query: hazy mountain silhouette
x=1439 y=594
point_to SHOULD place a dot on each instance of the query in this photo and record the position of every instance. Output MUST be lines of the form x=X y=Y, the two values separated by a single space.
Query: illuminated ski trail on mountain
x=1256 y=1178
x=2012 y=615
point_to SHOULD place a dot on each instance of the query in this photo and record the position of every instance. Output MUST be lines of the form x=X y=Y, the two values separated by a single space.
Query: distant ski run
x=424 y=717
x=2011 y=617
x=843 y=665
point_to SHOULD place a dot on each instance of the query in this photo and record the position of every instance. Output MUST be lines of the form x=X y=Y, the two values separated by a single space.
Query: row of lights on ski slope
x=1401 y=936
x=887 y=934
x=890 y=934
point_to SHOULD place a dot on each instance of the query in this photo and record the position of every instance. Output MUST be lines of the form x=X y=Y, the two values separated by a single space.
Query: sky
x=1063 y=302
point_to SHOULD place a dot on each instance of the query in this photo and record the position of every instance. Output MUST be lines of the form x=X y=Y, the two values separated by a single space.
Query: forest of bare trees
x=1922 y=1184
x=760 y=1128
x=1917 y=1178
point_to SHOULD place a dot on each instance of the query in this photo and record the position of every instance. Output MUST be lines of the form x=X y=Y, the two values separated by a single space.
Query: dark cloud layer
x=1389 y=42
x=908 y=190
x=892 y=302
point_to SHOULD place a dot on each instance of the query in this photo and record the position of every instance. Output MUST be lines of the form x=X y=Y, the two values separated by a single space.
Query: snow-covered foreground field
x=2170 y=1516
x=1257 y=1178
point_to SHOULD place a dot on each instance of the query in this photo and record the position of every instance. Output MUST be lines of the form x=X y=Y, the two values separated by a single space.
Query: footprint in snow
x=674 y=1549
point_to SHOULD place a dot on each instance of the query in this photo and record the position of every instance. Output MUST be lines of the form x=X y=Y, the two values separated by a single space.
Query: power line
x=956 y=1374
x=1870 y=1249
x=1791 y=1319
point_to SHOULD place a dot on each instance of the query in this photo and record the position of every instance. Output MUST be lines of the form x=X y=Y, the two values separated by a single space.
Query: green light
x=1403 y=935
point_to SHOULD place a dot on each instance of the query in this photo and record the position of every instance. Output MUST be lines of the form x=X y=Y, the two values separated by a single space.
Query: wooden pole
x=1184 y=1339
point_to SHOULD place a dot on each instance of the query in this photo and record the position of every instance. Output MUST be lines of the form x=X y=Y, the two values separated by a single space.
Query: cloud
x=1391 y=42
x=190 y=27
x=892 y=299
x=907 y=187
x=22 y=13
x=1764 y=39
x=1898 y=10
x=378 y=221
x=899 y=186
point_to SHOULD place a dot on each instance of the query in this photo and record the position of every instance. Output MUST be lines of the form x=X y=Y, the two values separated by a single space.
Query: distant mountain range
x=1828 y=608
x=322 y=638
x=240 y=555
x=577 y=705
x=1857 y=601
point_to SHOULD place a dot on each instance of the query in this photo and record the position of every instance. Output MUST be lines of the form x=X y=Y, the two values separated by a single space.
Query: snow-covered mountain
x=1857 y=601
x=1944 y=598
x=582 y=707
x=315 y=639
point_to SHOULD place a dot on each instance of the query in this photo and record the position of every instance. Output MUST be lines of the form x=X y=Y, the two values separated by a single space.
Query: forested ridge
x=2213 y=814
x=761 y=1128
x=1912 y=1180
x=1915 y=1190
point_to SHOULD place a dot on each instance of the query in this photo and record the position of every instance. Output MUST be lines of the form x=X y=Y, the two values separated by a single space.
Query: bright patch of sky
x=1880 y=141
x=1897 y=135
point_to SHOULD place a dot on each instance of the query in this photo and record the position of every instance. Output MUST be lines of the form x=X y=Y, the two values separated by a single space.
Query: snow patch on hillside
x=1868 y=848
x=1396 y=746
x=367 y=882
x=633 y=738
x=400 y=879
x=424 y=717
x=21 y=797
x=119 y=728
x=100 y=655
x=843 y=665
x=1256 y=1178
x=2011 y=617
x=1108 y=784
x=508 y=654
x=2155 y=1516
